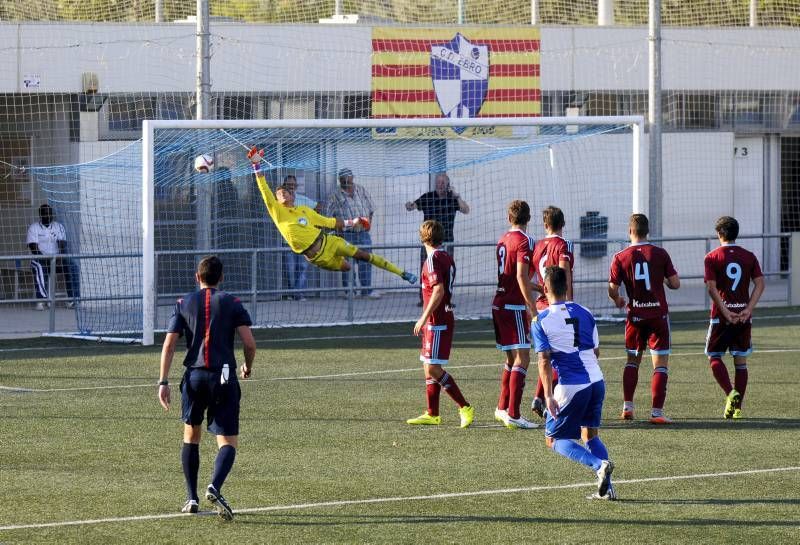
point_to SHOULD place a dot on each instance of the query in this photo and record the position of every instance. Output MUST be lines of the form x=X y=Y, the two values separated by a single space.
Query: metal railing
x=255 y=294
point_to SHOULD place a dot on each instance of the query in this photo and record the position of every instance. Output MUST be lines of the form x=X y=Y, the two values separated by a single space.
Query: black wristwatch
x=163 y=383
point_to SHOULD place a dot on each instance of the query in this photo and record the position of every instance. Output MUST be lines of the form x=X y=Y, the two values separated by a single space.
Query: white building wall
x=572 y=57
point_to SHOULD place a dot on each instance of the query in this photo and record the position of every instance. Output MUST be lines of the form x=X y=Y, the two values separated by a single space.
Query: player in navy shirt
x=565 y=337
x=208 y=318
x=435 y=325
x=729 y=270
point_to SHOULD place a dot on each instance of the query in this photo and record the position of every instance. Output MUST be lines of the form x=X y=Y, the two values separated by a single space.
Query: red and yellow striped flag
x=403 y=81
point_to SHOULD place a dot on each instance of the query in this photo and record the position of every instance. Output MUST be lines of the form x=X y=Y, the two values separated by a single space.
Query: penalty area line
x=396 y=499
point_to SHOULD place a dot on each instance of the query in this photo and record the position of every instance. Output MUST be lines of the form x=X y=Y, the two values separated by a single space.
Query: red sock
x=515 y=387
x=540 y=386
x=659 y=387
x=505 y=378
x=432 y=389
x=630 y=377
x=721 y=374
x=740 y=380
x=451 y=388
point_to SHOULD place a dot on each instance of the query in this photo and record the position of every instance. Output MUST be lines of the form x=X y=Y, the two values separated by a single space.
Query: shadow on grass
x=312 y=520
x=716 y=424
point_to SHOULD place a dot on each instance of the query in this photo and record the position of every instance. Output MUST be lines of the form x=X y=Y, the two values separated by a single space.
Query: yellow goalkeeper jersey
x=299 y=225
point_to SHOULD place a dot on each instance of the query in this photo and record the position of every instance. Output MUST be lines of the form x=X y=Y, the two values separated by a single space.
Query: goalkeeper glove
x=256 y=156
x=362 y=221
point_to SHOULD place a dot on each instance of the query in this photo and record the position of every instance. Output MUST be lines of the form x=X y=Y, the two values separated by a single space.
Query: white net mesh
x=82 y=76
x=222 y=212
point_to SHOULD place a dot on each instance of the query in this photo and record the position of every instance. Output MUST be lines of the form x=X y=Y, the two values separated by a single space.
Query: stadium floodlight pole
x=159 y=12
x=753 y=13
x=534 y=12
x=460 y=12
x=654 y=120
x=149 y=134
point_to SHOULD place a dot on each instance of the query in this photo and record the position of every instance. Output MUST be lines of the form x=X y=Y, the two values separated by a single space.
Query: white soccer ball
x=203 y=163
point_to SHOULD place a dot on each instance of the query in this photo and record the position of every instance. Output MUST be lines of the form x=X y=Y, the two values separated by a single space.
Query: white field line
x=389 y=335
x=333 y=376
x=394 y=499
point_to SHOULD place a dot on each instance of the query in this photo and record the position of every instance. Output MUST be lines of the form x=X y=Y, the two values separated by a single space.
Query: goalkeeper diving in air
x=301 y=227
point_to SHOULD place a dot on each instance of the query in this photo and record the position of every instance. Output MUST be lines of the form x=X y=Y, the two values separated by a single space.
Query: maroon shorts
x=436 y=342
x=652 y=333
x=512 y=327
x=724 y=337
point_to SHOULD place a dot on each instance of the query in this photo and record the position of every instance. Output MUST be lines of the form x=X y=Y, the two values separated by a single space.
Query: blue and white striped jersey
x=568 y=331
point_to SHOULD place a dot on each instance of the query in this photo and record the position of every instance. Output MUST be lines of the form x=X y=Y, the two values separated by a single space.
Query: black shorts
x=202 y=394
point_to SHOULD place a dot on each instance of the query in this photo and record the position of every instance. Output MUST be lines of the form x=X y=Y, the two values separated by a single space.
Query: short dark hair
x=283 y=187
x=555 y=278
x=553 y=218
x=289 y=177
x=639 y=224
x=519 y=213
x=210 y=270
x=728 y=228
x=431 y=232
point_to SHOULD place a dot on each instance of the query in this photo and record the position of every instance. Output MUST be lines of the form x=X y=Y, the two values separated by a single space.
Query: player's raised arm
x=255 y=156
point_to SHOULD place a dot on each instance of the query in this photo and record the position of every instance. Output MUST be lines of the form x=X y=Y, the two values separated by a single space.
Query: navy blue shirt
x=208 y=318
x=441 y=209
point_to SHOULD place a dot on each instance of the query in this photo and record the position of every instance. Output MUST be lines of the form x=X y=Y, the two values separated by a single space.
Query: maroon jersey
x=550 y=251
x=642 y=268
x=733 y=268
x=514 y=247
x=439 y=268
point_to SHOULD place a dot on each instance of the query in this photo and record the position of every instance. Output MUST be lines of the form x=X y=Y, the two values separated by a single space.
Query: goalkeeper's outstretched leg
x=333 y=250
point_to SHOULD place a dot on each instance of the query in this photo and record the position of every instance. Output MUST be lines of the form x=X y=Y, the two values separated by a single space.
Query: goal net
x=587 y=167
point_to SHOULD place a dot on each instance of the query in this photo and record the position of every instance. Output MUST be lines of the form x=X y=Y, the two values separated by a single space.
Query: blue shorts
x=581 y=407
x=201 y=393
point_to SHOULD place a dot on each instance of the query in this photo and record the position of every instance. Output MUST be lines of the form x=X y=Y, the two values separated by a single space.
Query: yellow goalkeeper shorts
x=334 y=250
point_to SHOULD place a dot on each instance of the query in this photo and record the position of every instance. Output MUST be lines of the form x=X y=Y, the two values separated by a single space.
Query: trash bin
x=594 y=226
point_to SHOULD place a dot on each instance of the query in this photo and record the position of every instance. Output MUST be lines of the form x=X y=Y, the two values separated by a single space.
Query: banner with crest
x=462 y=73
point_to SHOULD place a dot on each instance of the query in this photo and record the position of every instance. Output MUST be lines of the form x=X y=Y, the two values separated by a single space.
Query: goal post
x=585 y=165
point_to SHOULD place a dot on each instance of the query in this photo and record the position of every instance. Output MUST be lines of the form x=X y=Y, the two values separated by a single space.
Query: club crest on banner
x=460 y=75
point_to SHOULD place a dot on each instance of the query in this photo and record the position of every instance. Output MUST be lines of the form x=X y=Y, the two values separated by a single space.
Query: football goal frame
x=639 y=198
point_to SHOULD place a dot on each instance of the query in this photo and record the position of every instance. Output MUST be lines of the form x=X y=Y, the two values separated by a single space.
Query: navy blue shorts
x=581 y=406
x=201 y=393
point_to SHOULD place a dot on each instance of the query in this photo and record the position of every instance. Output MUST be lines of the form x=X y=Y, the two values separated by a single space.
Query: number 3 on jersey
x=501 y=260
x=642 y=272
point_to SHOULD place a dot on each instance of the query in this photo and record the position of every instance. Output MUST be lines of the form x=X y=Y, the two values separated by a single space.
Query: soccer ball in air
x=203 y=163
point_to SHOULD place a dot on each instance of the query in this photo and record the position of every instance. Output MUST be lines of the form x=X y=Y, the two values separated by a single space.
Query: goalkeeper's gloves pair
x=362 y=222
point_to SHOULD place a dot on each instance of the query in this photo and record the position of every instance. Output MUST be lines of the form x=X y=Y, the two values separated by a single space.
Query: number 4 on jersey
x=642 y=272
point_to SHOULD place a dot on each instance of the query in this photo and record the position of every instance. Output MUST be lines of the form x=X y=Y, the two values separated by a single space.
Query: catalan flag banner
x=457 y=73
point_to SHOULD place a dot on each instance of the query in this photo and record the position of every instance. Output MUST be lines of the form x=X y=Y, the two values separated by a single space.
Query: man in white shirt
x=48 y=237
